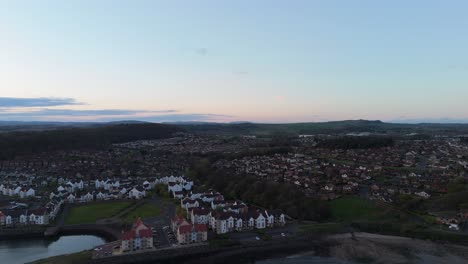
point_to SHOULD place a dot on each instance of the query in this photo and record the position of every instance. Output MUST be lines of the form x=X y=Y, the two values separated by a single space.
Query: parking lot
x=162 y=233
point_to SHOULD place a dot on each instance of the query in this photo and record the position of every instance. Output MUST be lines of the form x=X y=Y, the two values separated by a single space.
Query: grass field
x=89 y=213
x=144 y=211
x=352 y=208
x=323 y=228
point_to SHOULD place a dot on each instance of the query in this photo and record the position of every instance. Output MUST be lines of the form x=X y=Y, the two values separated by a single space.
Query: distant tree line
x=24 y=143
x=350 y=142
x=464 y=140
x=267 y=194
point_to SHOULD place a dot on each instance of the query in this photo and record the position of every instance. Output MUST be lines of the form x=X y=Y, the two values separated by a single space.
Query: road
x=274 y=233
x=168 y=210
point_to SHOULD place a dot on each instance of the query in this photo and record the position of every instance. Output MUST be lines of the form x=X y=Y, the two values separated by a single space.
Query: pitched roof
x=200 y=211
x=185 y=229
x=200 y=228
x=139 y=230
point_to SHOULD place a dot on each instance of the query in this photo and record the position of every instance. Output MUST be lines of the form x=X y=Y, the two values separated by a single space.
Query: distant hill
x=248 y=128
x=334 y=127
x=95 y=137
x=9 y=126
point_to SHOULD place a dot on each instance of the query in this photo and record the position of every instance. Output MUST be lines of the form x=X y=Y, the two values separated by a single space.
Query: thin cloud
x=202 y=51
x=105 y=115
x=101 y=112
x=15 y=102
x=37 y=109
x=184 y=118
x=241 y=72
x=78 y=113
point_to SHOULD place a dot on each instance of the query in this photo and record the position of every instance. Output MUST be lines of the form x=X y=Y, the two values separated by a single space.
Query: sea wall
x=106 y=232
x=21 y=233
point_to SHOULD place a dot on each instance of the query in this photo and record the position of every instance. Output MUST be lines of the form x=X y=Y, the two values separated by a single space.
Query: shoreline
x=105 y=232
x=21 y=233
x=367 y=246
x=232 y=254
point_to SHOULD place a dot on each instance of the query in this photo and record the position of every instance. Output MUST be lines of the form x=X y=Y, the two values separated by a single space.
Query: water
x=26 y=250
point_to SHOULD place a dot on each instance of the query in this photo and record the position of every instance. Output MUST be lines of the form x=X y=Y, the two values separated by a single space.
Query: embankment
x=212 y=254
x=107 y=232
x=21 y=233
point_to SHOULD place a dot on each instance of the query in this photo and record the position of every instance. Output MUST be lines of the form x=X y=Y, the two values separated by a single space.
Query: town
x=155 y=210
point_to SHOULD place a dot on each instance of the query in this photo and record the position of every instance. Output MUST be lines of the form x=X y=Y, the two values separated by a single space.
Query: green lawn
x=89 y=213
x=352 y=208
x=323 y=228
x=144 y=211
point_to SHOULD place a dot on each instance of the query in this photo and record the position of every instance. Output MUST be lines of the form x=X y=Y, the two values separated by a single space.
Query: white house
x=122 y=191
x=217 y=204
x=72 y=186
x=17 y=190
x=101 y=196
x=200 y=216
x=30 y=192
x=187 y=185
x=260 y=221
x=24 y=192
x=8 y=191
x=97 y=184
x=87 y=197
x=136 y=193
x=178 y=195
x=279 y=217
x=23 y=219
x=423 y=194
x=147 y=185
x=39 y=217
x=188 y=203
x=71 y=198
x=173 y=187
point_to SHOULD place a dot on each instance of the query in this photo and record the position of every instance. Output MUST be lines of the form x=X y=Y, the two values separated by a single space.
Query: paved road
x=63 y=214
x=168 y=210
x=275 y=233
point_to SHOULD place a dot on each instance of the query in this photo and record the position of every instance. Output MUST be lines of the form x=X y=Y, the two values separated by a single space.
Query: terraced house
x=138 y=238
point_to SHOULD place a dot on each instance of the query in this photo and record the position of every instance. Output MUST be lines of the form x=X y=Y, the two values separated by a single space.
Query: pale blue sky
x=264 y=61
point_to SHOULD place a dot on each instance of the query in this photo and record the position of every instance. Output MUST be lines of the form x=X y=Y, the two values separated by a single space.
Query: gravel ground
x=373 y=248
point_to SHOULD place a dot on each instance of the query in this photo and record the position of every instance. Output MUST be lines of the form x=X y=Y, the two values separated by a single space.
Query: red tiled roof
x=185 y=229
x=132 y=234
x=39 y=211
x=138 y=222
x=129 y=235
x=200 y=211
x=200 y=228
x=139 y=229
x=177 y=219
x=146 y=233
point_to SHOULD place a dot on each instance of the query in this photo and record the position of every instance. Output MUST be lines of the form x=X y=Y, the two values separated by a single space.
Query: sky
x=220 y=61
